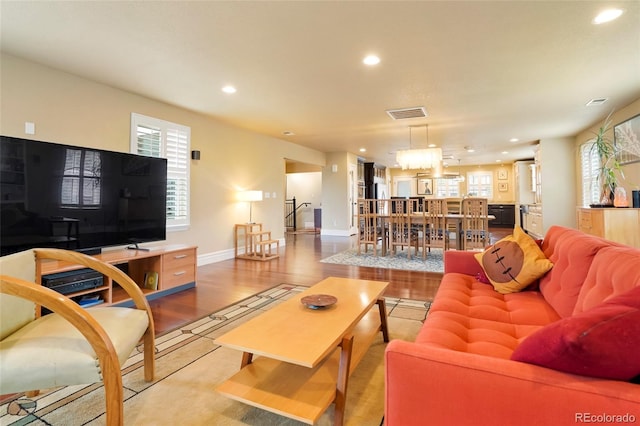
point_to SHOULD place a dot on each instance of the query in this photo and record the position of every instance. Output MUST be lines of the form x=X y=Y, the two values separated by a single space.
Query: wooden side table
x=257 y=242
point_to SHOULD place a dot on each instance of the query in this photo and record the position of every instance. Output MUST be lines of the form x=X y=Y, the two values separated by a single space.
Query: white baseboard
x=335 y=232
x=219 y=256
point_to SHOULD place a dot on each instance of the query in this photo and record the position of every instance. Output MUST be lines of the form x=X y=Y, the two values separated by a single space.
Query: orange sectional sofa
x=460 y=370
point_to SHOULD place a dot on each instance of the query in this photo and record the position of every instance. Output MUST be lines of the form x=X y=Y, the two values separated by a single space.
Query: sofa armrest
x=437 y=386
x=462 y=262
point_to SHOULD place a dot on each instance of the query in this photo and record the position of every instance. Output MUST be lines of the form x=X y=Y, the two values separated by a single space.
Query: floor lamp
x=250 y=196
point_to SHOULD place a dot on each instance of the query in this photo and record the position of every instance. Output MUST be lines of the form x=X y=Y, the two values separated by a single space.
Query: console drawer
x=178 y=268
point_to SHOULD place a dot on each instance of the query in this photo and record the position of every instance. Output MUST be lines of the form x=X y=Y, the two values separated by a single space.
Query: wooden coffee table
x=298 y=370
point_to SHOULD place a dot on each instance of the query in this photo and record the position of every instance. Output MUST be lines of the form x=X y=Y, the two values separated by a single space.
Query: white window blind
x=159 y=138
x=590 y=165
x=447 y=188
x=480 y=184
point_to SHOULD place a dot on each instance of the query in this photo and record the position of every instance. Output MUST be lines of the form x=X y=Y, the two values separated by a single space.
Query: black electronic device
x=77 y=198
x=73 y=281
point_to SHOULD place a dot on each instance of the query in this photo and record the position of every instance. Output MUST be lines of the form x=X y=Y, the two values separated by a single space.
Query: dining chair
x=434 y=232
x=71 y=345
x=454 y=206
x=369 y=229
x=474 y=230
x=400 y=231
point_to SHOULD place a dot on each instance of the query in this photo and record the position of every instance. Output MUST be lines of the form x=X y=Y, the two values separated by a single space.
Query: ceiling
x=486 y=71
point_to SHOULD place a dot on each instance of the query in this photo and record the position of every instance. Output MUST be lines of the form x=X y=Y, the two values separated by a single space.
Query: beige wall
x=72 y=110
x=335 y=194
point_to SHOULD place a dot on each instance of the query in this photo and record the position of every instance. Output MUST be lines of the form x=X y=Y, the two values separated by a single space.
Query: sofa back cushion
x=614 y=271
x=571 y=253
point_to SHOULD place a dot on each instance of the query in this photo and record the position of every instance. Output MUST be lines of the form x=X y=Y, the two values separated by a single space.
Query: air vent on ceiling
x=402 y=113
x=596 y=102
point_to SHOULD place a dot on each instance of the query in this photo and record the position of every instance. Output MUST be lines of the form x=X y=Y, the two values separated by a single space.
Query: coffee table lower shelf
x=295 y=391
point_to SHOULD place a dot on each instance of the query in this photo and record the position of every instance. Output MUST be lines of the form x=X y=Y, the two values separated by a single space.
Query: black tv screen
x=83 y=199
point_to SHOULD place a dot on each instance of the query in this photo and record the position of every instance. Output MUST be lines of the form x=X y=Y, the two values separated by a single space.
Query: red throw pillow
x=601 y=342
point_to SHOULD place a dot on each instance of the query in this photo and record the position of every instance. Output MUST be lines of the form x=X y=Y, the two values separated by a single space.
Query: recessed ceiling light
x=363 y=150
x=229 y=89
x=514 y=140
x=498 y=161
x=288 y=133
x=607 y=16
x=505 y=152
x=469 y=149
x=371 y=60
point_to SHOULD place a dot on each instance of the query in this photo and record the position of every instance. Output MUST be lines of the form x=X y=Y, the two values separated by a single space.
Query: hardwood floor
x=224 y=283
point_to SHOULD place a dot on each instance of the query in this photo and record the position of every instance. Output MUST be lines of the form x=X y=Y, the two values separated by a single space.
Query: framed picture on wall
x=627 y=140
x=425 y=186
x=503 y=186
x=502 y=174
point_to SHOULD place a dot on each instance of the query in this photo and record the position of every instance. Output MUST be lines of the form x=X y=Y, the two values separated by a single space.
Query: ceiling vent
x=596 y=102
x=403 y=113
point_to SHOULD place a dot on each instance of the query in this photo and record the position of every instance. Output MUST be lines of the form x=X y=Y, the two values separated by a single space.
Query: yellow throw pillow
x=514 y=262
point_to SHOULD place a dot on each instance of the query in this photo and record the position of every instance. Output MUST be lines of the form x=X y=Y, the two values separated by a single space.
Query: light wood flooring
x=224 y=283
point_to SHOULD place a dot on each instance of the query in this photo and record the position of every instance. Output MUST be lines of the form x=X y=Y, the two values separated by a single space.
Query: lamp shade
x=250 y=196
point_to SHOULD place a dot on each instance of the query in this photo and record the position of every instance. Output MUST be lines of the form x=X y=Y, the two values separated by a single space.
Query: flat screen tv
x=83 y=199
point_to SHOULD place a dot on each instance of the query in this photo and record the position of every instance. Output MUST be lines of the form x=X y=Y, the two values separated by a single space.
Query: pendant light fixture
x=425 y=158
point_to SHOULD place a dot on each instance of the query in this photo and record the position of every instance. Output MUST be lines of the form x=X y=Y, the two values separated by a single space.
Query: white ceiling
x=486 y=71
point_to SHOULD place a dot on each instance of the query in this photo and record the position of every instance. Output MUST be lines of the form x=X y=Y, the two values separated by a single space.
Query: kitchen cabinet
x=505 y=215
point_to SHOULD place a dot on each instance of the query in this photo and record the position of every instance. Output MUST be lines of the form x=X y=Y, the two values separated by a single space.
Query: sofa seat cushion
x=37 y=346
x=469 y=316
x=472 y=335
x=464 y=295
x=614 y=271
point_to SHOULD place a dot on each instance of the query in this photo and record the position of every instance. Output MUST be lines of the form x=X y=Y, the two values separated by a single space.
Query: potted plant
x=610 y=169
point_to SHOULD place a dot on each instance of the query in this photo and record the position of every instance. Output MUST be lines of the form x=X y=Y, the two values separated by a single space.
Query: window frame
x=177 y=154
x=486 y=186
x=590 y=174
x=447 y=188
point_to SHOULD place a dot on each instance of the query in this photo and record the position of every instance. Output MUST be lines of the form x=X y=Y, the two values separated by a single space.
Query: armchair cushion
x=45 y=362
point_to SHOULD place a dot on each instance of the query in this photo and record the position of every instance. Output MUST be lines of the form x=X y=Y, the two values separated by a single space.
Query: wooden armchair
x=72 y=345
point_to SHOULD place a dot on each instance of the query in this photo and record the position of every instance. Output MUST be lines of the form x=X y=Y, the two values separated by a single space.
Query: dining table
x=450 y=218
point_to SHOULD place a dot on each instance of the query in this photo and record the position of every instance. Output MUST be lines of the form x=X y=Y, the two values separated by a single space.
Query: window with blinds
x=480 y=184
x=447 y=188
x=158 y=138
x=590 y=166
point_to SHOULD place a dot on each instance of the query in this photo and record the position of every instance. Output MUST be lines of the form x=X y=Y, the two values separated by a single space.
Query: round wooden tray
x=318 y=301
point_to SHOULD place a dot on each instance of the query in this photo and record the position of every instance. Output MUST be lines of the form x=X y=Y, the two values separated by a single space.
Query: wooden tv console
x=175 y=266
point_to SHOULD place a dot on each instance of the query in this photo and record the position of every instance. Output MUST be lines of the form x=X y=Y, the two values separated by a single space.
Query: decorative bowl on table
x=318 y=301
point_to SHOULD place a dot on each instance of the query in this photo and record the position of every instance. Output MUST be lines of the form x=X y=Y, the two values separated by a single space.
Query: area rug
x=433 y=263
x=189 y=366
